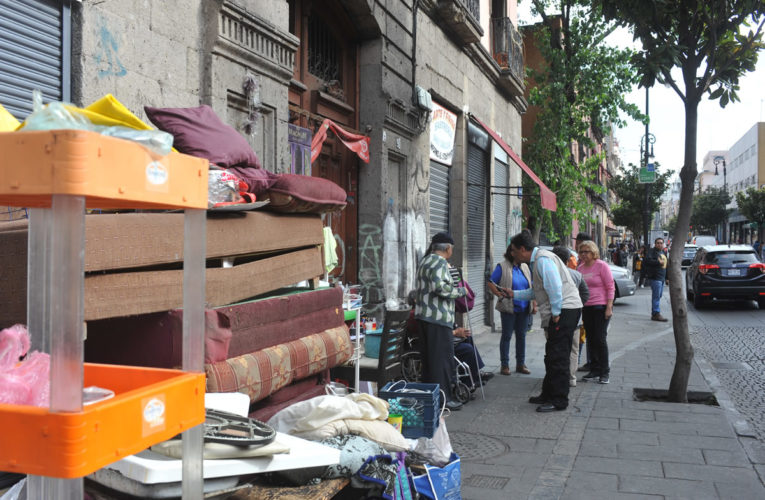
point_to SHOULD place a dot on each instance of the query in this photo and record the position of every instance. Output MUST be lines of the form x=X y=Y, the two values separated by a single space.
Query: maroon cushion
x=305 y=194
x=199 y=132
x=258 y=180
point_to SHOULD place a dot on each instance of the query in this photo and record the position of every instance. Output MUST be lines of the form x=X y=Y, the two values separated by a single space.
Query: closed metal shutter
x=34 y=53
x=439 y=198
x=500 y=201
x=476 y=222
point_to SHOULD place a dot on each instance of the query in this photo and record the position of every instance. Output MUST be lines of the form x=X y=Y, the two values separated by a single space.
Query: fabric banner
x=357 y=143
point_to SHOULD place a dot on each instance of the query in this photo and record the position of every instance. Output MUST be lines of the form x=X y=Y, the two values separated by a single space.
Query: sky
x=717 y=129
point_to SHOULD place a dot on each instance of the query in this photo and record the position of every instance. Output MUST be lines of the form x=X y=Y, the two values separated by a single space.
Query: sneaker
x=572 y=382
x=454 y=405
x=584 y=368
x=590 y=376
x=658 y=317
x=486 y=376
x=603 y=380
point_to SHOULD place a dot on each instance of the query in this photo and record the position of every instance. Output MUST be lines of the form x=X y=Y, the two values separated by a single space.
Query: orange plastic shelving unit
x=150 y=405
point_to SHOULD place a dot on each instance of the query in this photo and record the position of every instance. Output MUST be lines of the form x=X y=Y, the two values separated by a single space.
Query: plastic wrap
x=60 y=115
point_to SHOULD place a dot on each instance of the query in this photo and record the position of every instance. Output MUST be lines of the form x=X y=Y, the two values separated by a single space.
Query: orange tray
x=109 y=172
x=150 y=405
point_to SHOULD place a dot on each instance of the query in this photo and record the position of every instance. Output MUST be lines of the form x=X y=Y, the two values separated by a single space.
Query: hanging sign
x=443 y=127
x=299 y=139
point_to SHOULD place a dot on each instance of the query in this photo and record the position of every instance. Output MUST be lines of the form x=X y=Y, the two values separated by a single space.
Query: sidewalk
x=605 y=445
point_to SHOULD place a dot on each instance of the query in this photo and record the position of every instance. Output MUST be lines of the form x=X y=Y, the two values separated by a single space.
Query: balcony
x=461 y=18
x=507 y=50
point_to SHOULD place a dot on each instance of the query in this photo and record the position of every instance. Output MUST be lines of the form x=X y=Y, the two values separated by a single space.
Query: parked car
x=689 y=252
x=703 y=240
x=725 y=272
x=624 y=286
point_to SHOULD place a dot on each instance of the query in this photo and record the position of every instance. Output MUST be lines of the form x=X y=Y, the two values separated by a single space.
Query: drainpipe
x=415 y=8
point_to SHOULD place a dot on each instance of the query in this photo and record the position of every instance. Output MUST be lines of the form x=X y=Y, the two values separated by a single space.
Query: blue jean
x=657 y=288
x=517 y=323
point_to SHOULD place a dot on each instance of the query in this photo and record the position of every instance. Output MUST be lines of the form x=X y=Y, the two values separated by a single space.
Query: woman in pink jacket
x=597 y=311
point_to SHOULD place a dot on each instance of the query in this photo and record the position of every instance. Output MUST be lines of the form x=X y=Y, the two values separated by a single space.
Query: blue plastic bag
x=441 y=483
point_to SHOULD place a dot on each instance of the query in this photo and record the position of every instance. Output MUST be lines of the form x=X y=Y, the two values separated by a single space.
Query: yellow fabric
x=8 y=123
x=330 y=250
x=109 y=111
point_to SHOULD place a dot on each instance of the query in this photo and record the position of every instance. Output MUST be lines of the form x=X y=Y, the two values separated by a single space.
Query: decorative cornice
x=243 y=35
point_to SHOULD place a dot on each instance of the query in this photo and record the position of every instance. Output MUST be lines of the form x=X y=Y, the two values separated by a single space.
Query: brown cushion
x=199 y=132
x=293 y=193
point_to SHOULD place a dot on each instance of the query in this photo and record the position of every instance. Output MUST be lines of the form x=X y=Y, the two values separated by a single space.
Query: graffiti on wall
x=107 y=53
x=370 y=260
x=516 y=221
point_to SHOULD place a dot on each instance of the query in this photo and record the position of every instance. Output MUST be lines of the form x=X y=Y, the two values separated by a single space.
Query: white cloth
x=316 y=412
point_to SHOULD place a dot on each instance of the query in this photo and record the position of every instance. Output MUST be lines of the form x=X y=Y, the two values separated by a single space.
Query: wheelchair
x=412 y=371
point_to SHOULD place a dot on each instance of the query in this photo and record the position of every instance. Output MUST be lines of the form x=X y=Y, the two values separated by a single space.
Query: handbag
x=466 y=303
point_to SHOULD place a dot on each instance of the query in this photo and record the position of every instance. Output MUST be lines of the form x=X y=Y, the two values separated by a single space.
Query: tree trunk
x=678 y=386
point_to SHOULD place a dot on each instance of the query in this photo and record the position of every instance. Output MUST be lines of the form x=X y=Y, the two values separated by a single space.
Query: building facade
x=391 y=70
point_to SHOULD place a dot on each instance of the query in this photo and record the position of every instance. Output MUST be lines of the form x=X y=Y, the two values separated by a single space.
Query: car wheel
x=698 y=302
x=688 y=294
x=761 y=303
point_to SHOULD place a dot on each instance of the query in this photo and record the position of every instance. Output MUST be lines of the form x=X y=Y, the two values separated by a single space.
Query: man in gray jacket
x=560 y=308
x=584 y=294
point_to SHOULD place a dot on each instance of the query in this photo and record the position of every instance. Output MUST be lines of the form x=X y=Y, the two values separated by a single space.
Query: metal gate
x=477 y=248
x=500 y=200
x=439 y=198
x=34 y=53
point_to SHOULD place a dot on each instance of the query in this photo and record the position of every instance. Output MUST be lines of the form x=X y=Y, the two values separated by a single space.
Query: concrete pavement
x=606 y=444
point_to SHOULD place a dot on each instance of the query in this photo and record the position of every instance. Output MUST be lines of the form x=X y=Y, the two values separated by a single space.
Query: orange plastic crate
x=109 y=172
x=150 y=405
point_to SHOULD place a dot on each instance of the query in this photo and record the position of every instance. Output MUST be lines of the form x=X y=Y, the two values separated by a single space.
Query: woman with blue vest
x=513 y=313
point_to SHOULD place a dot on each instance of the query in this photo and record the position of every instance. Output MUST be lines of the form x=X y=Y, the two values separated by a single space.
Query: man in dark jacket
x=655 y=269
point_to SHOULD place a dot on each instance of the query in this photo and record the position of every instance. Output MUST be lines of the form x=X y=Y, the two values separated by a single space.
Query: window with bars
x=324 y=52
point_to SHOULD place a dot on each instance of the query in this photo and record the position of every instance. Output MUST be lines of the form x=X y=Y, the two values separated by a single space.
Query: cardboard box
x=133 y=261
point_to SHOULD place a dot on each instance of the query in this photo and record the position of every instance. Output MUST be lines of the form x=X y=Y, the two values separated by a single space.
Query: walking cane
x=475 y=352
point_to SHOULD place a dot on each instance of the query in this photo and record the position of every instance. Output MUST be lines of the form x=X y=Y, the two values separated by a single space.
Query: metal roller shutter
x=500 y=201
x=34 y=53
x=439 y=198
x=476 y=223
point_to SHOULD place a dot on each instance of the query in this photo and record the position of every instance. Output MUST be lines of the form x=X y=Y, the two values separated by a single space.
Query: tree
x=751 y=203
x=709 y=209
x=712 y=43
x=579 y=91
x=631 y=194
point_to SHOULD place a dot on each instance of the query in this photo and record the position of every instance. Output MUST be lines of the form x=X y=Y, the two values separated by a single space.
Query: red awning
x=547 y=196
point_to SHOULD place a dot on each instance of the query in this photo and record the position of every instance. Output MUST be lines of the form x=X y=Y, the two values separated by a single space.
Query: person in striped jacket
x=434 y=307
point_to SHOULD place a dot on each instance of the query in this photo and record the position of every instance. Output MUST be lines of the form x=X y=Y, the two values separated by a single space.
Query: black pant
x=439 y=354
x=557 y=357
x=596 y=326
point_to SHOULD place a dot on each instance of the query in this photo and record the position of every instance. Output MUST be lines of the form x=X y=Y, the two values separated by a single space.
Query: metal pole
x=646 y=210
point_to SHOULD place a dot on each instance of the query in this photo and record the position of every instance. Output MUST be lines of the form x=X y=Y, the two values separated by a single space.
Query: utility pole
x=647 y=186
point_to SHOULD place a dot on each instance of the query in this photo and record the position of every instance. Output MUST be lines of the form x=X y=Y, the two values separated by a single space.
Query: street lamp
x=717 y=160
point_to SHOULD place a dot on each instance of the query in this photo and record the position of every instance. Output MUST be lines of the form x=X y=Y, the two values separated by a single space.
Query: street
x=607 y=444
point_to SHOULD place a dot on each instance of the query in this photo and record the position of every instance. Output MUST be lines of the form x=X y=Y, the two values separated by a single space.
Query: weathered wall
x=183 y=53
x=394 y=186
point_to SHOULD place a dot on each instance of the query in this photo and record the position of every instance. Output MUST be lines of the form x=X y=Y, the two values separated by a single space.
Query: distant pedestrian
x=623 y=256
x=637 y=266
x=655 y=267
x=514 y=314
x=598 y=309
x=559 y=307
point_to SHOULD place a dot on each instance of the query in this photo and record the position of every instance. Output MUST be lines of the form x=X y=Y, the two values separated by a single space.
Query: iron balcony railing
x=507 y=46
x=472 y=6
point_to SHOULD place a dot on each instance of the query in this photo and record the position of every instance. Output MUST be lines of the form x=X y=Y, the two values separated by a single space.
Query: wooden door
x=326 y=86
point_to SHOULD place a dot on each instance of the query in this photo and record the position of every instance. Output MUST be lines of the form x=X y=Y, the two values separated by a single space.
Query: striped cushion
x=261 y=373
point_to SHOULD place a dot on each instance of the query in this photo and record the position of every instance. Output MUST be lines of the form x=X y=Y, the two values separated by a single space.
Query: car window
x=730 y=258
